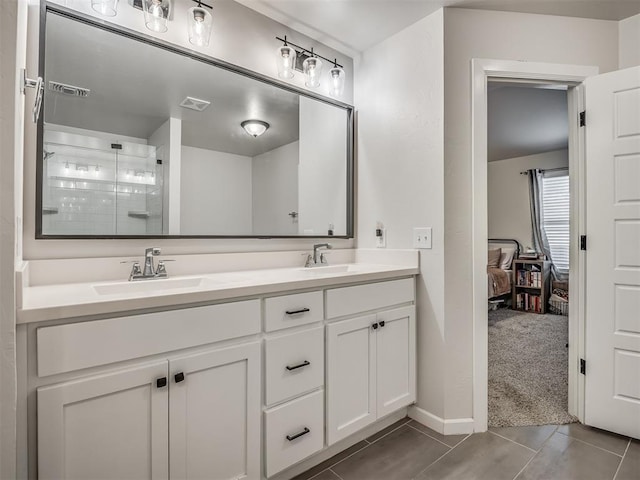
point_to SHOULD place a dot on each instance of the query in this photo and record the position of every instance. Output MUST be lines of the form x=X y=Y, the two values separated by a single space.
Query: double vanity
x=236 y=374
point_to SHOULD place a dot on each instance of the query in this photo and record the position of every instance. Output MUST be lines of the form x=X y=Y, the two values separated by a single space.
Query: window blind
x=555 y=218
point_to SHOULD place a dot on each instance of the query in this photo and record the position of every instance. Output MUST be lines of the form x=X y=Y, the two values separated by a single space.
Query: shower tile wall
x=90 y=188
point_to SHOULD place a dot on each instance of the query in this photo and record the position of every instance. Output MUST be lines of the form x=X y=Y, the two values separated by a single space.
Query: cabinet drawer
x=293 y=310
x=294 y=431
x=101 y=342
x=294 y=364
x=373 y=296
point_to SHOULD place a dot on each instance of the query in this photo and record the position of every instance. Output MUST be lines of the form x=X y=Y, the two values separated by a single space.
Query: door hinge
x=583 y=242
x=583 y=115
x=583 y=366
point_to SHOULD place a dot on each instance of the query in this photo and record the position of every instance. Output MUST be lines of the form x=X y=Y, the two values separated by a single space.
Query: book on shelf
x=528 y=302
x=530 y=278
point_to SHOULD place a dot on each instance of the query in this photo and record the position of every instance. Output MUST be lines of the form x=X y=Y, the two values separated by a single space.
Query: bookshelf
x=531 y=285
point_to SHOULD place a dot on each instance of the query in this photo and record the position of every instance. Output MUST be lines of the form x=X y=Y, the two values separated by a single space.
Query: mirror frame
x=134 y=35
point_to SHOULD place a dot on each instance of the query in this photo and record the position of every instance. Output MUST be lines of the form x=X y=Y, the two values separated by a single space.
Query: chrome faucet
x=318 y=259
x=149 y=271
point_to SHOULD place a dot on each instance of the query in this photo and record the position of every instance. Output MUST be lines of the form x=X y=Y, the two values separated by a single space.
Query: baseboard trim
x=452 y=426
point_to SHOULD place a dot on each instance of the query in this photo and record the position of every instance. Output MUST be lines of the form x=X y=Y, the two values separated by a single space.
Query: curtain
x=539 y=236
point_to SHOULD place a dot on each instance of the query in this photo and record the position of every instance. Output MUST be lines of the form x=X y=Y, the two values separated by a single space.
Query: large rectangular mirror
x=141 y=138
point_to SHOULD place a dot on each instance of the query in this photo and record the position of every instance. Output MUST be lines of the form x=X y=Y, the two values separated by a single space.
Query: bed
x=501 y=253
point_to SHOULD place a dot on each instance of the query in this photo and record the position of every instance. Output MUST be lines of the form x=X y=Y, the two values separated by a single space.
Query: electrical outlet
x=381 y=240
x=422 y=237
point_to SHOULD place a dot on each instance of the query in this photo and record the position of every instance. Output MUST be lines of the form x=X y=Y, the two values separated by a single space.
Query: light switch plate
x=422 y=237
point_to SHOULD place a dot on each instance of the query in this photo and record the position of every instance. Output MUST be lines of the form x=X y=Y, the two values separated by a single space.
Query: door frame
x=571 y=75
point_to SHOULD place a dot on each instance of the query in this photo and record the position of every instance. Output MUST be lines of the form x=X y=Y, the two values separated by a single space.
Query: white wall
x=168 y=141
x=322 y=186
x=399 y=96
x=506 y=36
x=508 y=193
x=275 y=191
x=216 y=193
x=629 y=42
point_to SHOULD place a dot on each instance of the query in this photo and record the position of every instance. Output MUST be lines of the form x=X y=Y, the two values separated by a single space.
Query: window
x=555 y=218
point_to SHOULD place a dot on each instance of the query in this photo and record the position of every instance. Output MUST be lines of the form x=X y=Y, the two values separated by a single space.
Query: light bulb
x=156 y=14
x=285 y=60
x=312 y=68
x=199 y=22
x=337 y=78
x=255 y=128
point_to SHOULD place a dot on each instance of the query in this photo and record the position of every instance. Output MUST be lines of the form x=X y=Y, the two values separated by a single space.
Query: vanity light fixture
x=255 y=128
x=199 y=24
x=312 y=69
x=290 y=57
x=286 y=60
x=336 y=79
x=108 y=8
x=156 y=14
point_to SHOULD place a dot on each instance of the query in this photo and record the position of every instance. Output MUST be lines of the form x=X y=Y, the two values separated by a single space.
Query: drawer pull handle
x=298 y=435
x=295 y=312
x=161 y=382
x=179 y=377
x=300 y=365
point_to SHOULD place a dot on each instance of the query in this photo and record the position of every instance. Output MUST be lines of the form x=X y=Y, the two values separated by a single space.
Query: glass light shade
x=199 y=25
x=108 y=8
x=156 y=14
x=286 y=60
x=336 y=79
x=312 y=69
x=255 y=128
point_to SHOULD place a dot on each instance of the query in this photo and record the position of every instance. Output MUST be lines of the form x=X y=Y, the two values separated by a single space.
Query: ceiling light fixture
x=199 y=24
x=108 y=8
x=255 y=128
x=156 y=14
x=290 y=57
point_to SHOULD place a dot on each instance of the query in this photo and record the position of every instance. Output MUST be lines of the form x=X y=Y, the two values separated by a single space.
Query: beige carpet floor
x=528 y=369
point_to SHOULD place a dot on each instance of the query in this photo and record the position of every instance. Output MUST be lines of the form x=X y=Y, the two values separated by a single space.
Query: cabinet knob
x=179 y=377
x=382 y=323
x=161 y=382
x=298 y=435
x=374 y=326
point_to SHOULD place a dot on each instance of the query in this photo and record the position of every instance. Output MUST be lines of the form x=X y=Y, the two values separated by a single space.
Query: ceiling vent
x=194 y=104
x=69 y=89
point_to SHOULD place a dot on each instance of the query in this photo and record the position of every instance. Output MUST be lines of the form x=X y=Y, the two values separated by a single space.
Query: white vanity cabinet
x=370 y=358
x=189 y=415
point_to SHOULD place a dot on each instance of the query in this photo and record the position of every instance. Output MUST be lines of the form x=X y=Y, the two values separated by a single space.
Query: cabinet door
x=103 y=427
x=396 y=359
x=351 y=378
x=215 y=414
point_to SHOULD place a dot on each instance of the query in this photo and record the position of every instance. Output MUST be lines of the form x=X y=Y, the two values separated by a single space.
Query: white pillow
x=506 y=258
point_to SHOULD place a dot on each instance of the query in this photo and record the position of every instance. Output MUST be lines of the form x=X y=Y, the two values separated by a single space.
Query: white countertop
x=70 y=300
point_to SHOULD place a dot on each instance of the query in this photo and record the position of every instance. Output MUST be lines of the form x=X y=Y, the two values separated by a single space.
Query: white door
x=105 y=427
x=215 y=414
x=396 y=360
x=612 y=380
x=351 y=376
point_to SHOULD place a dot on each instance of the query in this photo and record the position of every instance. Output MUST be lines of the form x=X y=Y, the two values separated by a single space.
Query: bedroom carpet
x=528 y=371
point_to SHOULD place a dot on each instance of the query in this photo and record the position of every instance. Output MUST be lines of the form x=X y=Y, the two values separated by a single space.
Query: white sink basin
x=142 y=286
x=331 y=269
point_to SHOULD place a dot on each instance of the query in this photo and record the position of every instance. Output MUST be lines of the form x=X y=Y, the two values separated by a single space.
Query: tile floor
x=408 y=450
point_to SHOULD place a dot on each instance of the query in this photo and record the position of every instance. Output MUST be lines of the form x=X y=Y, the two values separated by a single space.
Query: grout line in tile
x=591 y=444
x=432 y=438
x=335 y=474
x=348 y=456
x=318 y=474
x=513 y=441
x=388 y=433
x=622 y=459
x=536 y=454
x=440 y=457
